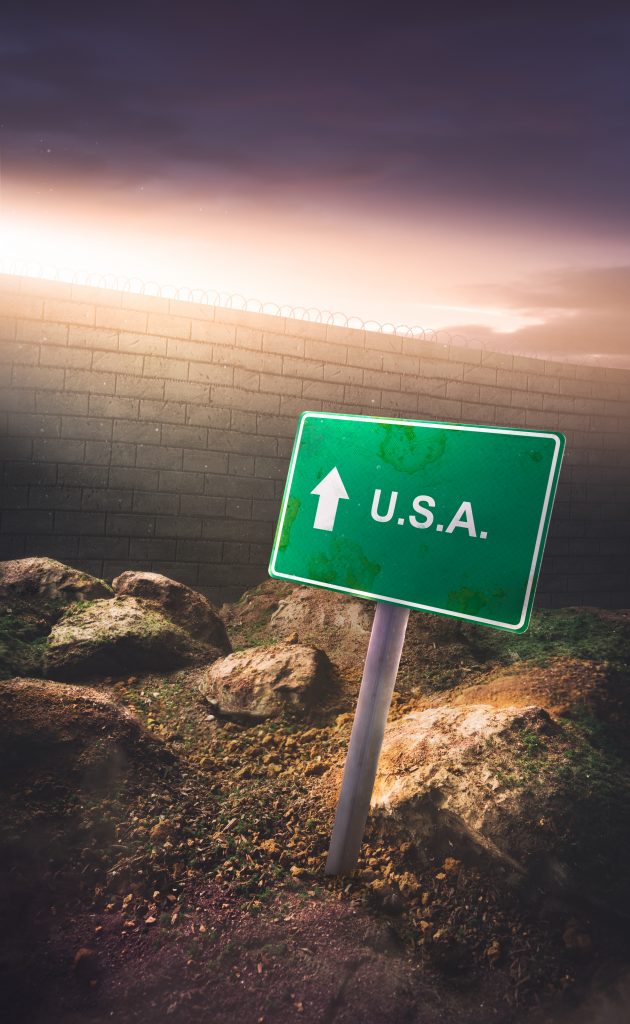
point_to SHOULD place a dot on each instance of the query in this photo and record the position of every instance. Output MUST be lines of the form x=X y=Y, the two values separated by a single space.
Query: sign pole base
x=377 y=686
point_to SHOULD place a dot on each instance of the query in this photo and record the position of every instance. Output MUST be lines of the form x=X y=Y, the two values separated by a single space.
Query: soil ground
x=196 y=892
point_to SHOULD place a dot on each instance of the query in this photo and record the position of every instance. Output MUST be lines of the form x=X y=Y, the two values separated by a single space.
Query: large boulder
x=535 y=793
x=262 y=682
x=34 y=593
x=73 y=735
x=118 y=637
x=182 y=605
x=46 y=579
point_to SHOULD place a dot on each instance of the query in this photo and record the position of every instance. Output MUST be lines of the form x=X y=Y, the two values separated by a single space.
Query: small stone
x=85 y=964
x=262 y=682
x=493 y=952
x=381 y=889
x=451 y=865
x=408 y=884
x=160 y=830
x=575 y=937
x=366 y=875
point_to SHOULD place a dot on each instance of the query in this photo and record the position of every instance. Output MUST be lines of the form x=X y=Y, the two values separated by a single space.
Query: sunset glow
x=395 y=199
x=121 y=262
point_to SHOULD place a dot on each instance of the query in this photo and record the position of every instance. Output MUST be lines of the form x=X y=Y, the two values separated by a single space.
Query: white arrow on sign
x=330 y=491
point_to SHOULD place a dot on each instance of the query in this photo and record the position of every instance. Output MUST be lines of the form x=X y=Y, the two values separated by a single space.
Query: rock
x=44 y=578
x=177 y=602
x=513 y=785
x=116 y=637
x=575 y=937
x=34 y=593
x=261 y=682
x=447 y=951
x=270 y=846
x=409 y=884
x=85 y=965
x=160 y=831
x=381 y=888
x=366 y=875
x=76 y=736
x=451 y=866
x=493 y=951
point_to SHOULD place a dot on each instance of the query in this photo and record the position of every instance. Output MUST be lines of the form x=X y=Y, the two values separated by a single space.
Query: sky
x=458 y=166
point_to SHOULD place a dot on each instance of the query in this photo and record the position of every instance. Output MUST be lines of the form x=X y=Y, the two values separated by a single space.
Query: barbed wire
x=236 y=301
x=232 y=300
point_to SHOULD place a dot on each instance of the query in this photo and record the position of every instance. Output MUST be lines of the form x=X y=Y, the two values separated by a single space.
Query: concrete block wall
x=144 y=432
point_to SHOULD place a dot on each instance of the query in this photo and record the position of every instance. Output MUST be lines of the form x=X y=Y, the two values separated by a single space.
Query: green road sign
x=448 y=518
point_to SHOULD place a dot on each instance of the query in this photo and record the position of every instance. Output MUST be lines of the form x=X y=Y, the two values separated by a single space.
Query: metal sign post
x=377 y=686
x=448 y=518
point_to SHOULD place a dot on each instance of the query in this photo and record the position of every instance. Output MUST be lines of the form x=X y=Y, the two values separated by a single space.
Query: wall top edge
x=440 y=344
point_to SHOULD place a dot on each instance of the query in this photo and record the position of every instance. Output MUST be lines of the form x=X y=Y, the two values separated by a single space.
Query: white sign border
x=441 y=426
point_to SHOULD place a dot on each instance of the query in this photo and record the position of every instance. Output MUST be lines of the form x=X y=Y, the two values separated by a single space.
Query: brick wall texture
x=143 y=432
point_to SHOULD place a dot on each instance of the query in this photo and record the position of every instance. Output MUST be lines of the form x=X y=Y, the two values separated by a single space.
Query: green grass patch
x=563 y=632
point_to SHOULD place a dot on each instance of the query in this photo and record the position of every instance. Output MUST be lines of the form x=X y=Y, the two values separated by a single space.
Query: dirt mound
x=593 y=694
x=249 y=616
x=575 y=632
x=67 y=736
x=334 y=622
x=436 y=651
x=72 y=765
x=439 y=652
x=465 y=769
x=561 y=686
